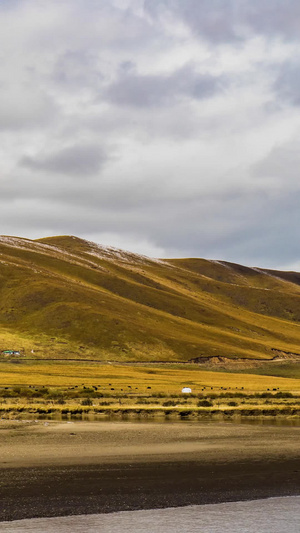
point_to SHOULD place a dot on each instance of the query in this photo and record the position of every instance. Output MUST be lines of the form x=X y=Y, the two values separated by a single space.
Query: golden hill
x=64 y=297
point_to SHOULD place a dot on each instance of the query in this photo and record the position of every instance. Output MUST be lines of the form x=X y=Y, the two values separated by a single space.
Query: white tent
x=186 y=390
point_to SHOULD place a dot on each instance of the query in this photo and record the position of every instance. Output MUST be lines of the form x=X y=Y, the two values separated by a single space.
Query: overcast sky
x=166 y=127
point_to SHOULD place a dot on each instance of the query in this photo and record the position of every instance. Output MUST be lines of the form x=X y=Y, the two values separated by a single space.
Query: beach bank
x=53 y=469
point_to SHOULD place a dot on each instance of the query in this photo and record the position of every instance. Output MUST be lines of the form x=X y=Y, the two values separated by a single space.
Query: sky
x=169 y=128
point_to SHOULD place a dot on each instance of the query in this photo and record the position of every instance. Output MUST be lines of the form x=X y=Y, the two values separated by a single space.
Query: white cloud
x=167 y=128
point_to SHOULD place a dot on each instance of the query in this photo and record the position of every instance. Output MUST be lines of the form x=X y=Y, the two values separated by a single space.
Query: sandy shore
x=52 y=469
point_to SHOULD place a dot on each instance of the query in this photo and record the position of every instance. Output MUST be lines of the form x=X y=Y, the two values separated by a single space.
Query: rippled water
x=274 y=515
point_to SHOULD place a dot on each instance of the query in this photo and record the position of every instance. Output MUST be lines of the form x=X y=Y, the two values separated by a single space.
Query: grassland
x=65 y=298
x=118 y=378
x=101 y=330
x=80 y=389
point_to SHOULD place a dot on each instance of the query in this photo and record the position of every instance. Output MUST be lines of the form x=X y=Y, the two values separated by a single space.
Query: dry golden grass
x=137 y=379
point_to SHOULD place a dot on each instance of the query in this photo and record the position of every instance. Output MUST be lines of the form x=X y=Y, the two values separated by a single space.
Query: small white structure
x=186 y=390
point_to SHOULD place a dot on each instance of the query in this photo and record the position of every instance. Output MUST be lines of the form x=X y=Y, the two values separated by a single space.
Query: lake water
x=273 y=515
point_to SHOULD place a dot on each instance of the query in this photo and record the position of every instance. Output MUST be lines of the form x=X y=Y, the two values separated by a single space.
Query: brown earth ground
x=53 y=469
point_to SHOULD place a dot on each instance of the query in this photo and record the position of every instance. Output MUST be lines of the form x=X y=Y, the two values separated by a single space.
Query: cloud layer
x=165 y=127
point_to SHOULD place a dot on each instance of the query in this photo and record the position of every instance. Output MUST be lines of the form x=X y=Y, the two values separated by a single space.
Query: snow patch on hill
x=111 y=253
x=47 y=249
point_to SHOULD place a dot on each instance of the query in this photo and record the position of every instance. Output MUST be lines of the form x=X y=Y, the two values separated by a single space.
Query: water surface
x=273 y=515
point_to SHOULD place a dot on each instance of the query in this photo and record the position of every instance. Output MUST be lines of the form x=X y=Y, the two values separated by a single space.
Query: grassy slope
x=65 y=297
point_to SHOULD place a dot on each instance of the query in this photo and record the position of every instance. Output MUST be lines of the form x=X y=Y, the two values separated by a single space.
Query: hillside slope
x=64 y=297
